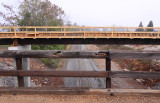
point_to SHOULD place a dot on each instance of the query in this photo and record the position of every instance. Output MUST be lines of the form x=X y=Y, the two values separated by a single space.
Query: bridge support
x=25 y=62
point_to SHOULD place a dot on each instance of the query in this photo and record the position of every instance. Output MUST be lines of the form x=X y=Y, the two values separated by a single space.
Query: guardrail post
x=19 y=67
x=131 y=32
x=108 y=68
x=158 y=32
x=15 y=34
x=35 y=32
x=84 y=33
x=112 y=32
x=64 y=32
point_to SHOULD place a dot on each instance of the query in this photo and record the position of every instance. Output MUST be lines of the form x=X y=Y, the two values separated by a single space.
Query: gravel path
x=93 y=65
x=82 y=64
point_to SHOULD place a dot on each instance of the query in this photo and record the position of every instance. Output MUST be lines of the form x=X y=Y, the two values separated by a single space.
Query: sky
x=108 y=12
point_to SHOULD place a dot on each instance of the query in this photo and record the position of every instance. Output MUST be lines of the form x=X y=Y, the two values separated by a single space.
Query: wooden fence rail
x=107 y=55
x=104 y=74
x=52 y=73
x=51 y=54
x=79 y=54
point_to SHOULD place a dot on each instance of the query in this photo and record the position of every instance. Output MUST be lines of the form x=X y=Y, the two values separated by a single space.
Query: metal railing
x=78 y=32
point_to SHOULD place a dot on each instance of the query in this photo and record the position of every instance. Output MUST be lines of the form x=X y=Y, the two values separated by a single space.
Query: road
x=90 y=65
x=82 y=65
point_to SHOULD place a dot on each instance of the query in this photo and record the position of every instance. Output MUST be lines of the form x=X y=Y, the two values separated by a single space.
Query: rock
x=140 y=80
x=125 y=70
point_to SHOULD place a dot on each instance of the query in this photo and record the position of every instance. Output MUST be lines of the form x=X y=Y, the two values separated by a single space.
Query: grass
x=50 y=62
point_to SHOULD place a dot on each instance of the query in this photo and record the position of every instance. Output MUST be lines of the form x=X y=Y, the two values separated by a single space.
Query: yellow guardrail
x=78 y=32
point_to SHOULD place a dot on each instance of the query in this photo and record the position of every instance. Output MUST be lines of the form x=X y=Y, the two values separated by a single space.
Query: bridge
x=79 y=35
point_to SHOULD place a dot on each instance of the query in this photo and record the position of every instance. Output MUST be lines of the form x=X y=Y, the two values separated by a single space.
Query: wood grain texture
x=108 y=69
x=134 y=74
x=79 y=91
x=77 y=54
x=51 y=54
x=19 y=67
x=54 y=73
x=130 y=54
x=106 y=74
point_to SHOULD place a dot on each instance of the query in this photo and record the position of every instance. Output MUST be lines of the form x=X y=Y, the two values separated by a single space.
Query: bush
x=50 y=62
x=48 y=47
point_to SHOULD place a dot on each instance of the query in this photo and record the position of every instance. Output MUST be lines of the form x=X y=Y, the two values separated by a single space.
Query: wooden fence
x=107 y=55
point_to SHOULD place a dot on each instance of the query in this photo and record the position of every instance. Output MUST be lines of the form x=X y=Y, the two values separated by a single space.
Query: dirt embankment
x=152 y=65
x=116 y=82
x=35 y=64
x=134 y=64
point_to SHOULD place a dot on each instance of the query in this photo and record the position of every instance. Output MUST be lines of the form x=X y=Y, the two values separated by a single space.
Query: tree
x=150 y=25
x=140 y=29
x=34 y=13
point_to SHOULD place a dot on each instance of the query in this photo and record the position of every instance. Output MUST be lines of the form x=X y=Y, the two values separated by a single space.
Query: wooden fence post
x=19 y=67
x=108 y=68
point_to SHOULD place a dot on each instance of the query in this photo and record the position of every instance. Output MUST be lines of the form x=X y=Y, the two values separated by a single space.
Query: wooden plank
x=124 y=54
x=19 y=67
x=108 y=68
x=80 y=91
x=134 y=74
x=126 y=92
x=77 y=54
x=54 y=73
x=44 y=90
x=51 y=54
x=112 y=74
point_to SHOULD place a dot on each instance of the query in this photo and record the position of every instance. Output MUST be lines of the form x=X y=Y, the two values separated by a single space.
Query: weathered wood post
x=25 y=62
x=19 y=67
x=108 y=68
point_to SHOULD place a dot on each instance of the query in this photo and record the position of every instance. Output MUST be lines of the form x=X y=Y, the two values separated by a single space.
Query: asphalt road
x=82 y=65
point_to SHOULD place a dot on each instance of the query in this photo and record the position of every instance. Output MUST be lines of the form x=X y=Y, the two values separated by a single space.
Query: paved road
x=82 y=64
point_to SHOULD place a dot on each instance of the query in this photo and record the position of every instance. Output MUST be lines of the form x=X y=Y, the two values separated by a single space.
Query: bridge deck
x=79 y=32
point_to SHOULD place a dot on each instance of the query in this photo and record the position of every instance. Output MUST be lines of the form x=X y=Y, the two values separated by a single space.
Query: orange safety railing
x=78 y=32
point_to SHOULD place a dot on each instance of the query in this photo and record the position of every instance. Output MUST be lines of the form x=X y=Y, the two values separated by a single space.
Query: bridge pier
x=25 y=62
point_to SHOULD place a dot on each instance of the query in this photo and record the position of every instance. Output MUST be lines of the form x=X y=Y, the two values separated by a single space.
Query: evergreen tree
x=150 y=25
x=140 y=29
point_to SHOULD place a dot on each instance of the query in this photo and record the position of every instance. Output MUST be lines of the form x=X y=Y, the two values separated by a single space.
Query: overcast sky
x=108 y=12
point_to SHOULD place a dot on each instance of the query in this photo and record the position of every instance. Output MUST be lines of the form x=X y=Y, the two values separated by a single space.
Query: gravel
x=7 y=81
